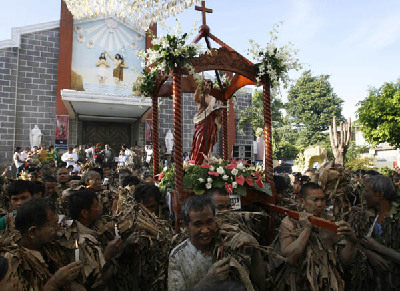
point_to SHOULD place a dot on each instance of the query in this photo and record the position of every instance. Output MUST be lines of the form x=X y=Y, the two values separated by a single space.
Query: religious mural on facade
x=104 y=57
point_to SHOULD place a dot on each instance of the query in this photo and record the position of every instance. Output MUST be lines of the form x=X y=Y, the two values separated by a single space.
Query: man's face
x=122 y=177
x=50 y=188
x=202 y=227
x=48 y=232
x=70 y=151
x=96 y=211
x=106 y=172
x=17 y=200
x=207 y=86
x=373 y=198
x=222 y=202
x=62 y=175
x=94 y=182
x=151 y=204
x=314 y=202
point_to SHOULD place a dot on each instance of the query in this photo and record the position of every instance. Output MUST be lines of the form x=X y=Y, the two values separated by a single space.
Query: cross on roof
x=203 y=10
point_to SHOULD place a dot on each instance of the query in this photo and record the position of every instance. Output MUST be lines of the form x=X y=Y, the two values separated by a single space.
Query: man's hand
x=65 y=275
x=113 y=248
x=242 y=239
x=218 y=272
x=345 y=230
x=304 y=220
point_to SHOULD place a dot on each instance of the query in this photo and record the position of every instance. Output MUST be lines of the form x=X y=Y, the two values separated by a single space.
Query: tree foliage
x=255 y=113
x=311 y=106
x=379 y=114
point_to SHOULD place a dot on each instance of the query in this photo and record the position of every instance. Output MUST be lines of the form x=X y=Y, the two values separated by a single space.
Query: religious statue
x=102 y=64
x=207 y=122
x=119 y=65
x=169 y=142
x=35 y=136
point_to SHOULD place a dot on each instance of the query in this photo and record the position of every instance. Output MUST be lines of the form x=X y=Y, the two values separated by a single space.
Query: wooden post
x=225 y=151
x=178 y=155
x=269 y=166
x=155 y=137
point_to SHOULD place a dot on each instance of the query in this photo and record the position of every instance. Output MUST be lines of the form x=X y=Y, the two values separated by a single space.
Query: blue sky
x=357 y=42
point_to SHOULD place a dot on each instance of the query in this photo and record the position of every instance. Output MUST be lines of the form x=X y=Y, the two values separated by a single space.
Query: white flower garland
x=140 y=12
x=276 y=62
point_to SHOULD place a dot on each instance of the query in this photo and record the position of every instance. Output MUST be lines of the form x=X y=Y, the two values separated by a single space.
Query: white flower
x=212 y=168
x=235 y=172
x=209 y=180
x=234 y=185
x=225 y=177
x=201 y=180
x=220 y=170
x=240 y=166
x=208 y=185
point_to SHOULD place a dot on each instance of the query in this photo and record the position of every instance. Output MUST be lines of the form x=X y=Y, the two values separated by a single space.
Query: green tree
x=311 y=106
x=379 y=114
x=255 y=113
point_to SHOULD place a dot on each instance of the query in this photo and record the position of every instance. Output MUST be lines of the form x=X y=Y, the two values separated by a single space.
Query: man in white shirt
x=190 y=263
x=70 y=157
x=19 y=161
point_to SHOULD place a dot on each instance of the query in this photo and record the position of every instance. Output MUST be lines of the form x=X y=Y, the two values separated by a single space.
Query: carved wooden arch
x=227 y=60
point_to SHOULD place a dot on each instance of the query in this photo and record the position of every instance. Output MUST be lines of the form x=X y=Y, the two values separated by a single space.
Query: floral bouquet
x=233 y=175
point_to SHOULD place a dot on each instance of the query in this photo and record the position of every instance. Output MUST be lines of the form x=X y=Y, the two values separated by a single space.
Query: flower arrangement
x=168 y=53
x=274 y=61
x=234 y=176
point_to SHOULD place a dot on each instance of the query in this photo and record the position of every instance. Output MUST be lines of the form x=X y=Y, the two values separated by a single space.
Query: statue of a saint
x=207 y=122
x=35 y=136
x=169 y=142
x=119 y=65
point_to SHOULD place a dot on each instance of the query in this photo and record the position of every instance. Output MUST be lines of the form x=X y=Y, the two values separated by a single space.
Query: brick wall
x=8 y=79
x=36 y=63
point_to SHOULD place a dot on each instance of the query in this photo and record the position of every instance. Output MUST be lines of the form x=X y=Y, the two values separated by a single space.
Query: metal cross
x=203 y=10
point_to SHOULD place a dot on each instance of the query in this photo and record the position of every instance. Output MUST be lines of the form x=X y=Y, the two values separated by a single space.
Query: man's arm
x=387 y=252
x=349 y=252
x=175 y=276
x=292 y=248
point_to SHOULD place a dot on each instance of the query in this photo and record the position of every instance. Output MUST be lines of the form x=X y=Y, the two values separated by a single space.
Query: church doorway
x=113 y=134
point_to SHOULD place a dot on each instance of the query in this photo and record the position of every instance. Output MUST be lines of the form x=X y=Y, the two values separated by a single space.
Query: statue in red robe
x=207 y=123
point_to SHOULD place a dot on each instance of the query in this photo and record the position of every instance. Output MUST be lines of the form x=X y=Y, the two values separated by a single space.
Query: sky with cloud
x=356 y=42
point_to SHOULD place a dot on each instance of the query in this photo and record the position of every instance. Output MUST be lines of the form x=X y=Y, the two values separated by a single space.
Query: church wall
x=8 y=74
x=34 y=65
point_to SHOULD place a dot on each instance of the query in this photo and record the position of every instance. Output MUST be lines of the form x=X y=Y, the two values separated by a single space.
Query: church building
x=74 y=81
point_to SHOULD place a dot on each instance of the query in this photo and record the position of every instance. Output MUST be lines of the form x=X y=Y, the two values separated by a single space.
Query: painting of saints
x=102 y=64
x=119 y=65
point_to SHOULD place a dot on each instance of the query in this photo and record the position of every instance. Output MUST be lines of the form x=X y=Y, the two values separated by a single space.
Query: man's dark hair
x=17 y=149
x=196 y=203
x=308 y=186
x=49 y=179
x=125 y=171
x=145 y=191
x=219 y=191
x=32 y=213
x=62 y=165
x=99 y=170
x=312 y=170
x=19 y=186
x=381 y=183
x=37 y=187
x=70 y=166
x=80 y=200
x=130 y=180
x=3 y=267
x=372 y=173
x=75 y=178
x=281 y=183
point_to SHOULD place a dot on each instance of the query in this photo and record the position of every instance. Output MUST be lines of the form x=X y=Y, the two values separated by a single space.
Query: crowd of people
x=89 y=220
